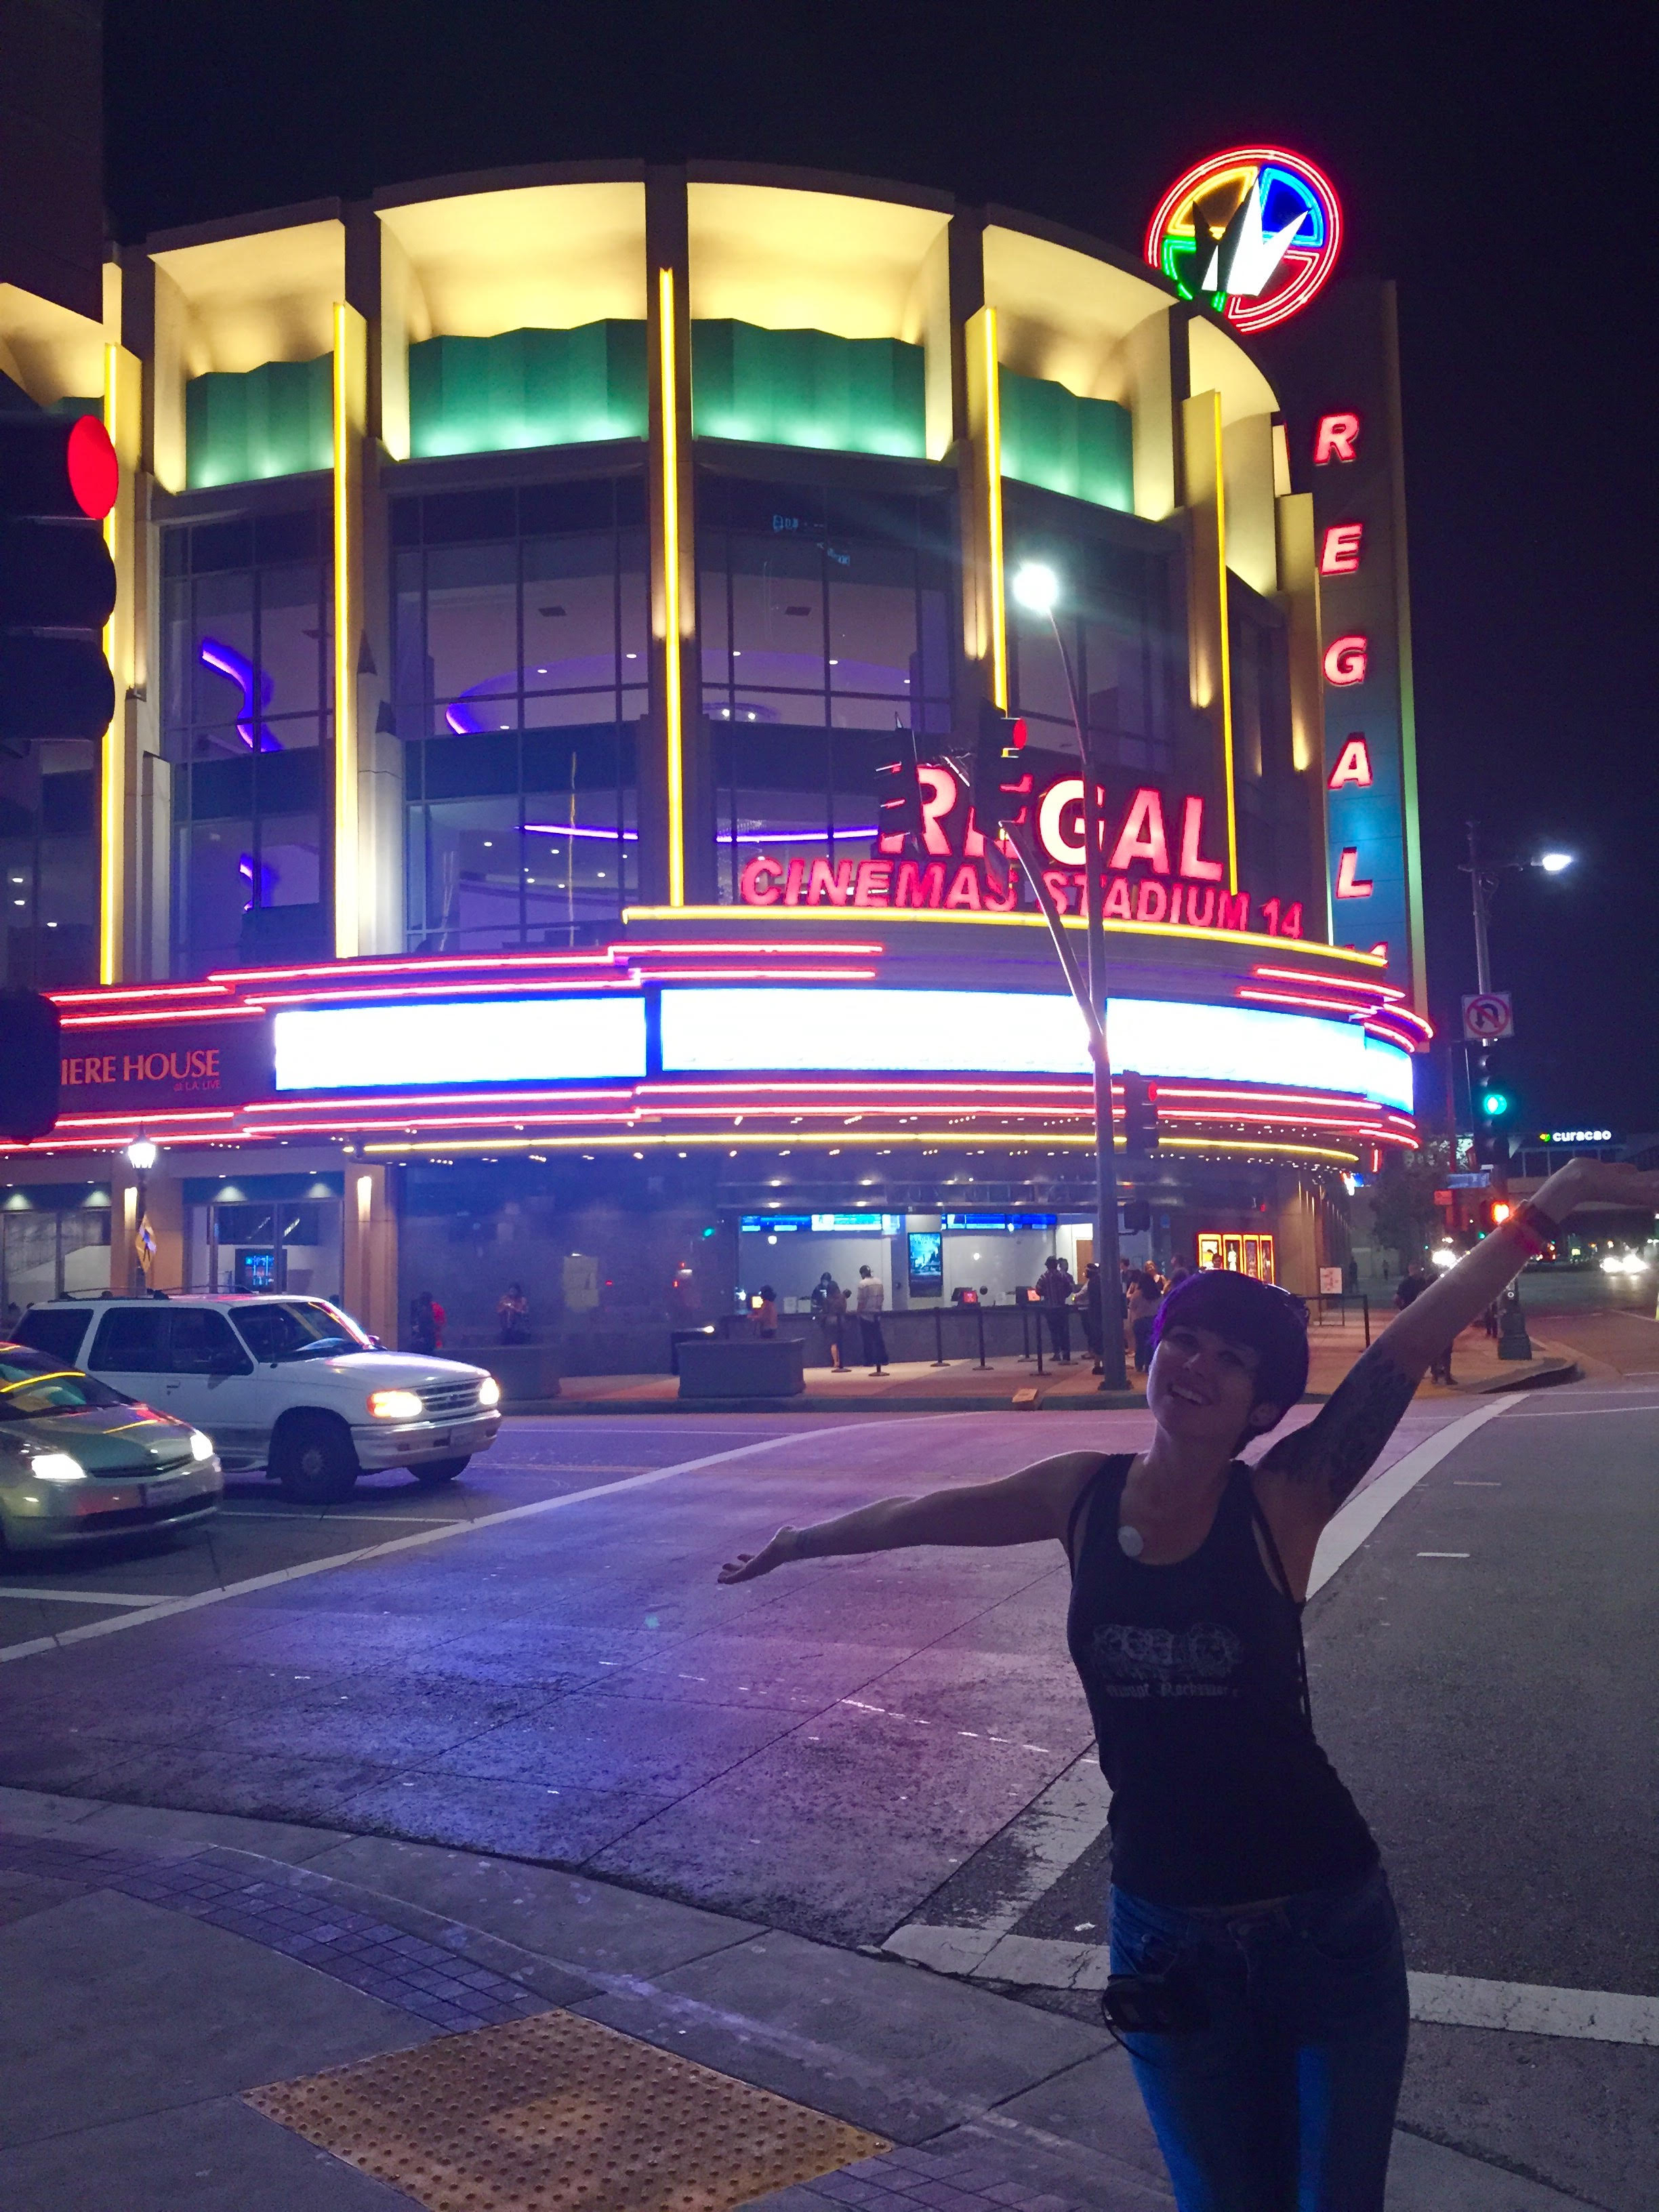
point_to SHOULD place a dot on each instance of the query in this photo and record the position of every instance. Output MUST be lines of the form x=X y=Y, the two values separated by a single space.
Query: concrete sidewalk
x=963 y=1386
x=156 y=1967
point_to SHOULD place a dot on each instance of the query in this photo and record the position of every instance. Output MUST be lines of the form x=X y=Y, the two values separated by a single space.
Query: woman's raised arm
x=1019 y=1508
x=1325 y=1461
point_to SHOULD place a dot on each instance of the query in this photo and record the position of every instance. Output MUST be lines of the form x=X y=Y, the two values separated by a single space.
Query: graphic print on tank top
x=1136 y=1662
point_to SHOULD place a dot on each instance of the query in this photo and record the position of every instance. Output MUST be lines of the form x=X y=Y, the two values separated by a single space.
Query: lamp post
x=1037 y=588
x=1513 y=1342
x=142 y=1156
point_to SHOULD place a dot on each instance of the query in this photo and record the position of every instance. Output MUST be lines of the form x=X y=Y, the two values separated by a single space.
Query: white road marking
x=166 y=1608
x=304 y=1520
x=86 y=1597
x=1443 y=1555
x=1043 y=1962
x=1533 y=2008
x=1364 y=1513
x=1470 y=1482
x=1586 y=1413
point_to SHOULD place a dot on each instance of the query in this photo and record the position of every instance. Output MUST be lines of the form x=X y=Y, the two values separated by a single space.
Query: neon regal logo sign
x=1252 y=232
x=1157 y=867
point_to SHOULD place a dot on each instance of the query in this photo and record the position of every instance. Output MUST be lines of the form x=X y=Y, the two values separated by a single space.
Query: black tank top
x=1195 y=1676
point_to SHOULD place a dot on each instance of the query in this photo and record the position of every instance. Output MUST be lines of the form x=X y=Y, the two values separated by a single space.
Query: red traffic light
x=94 y=473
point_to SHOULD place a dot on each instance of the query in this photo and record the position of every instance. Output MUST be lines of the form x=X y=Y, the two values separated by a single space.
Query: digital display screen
x=927 y=1248
x=1020 y=1032
x=494 y=1041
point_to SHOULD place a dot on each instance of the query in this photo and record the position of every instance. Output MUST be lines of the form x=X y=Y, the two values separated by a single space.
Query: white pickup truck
x=289 y=1384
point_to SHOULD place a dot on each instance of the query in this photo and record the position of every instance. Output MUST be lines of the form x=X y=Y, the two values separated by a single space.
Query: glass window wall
x=246 y=687
x=520 y=656
x=825 y=625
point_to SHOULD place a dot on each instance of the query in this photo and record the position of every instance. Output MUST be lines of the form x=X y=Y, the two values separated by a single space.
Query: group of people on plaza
x=1141 y=1292
x=831 y=1311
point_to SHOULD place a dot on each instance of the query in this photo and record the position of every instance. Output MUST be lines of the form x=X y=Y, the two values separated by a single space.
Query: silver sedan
x=78 y=1462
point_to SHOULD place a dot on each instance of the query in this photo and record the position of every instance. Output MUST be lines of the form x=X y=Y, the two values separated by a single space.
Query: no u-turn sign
x=1488 y=1016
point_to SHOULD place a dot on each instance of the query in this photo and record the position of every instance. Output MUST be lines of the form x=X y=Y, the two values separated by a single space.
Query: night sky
x=1498 y=162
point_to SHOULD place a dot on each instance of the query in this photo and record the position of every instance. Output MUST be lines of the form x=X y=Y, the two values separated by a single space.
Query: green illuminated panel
x=527 y=388
x=1079 y=447
x=808 y=388
x=277 y=420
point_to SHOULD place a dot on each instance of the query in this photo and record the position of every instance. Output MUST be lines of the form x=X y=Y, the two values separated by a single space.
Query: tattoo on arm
x=1338 y=1445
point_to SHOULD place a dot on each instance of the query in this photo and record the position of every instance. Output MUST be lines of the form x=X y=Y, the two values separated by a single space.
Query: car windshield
x=290 y=1329
x=31 y=1386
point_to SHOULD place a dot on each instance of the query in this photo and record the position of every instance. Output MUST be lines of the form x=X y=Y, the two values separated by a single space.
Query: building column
x=352 y=883
x=155 y=1200
x=984 y=601
x=675 y=803
x=1209 y=651
x=369 y=1250
x=123 y=420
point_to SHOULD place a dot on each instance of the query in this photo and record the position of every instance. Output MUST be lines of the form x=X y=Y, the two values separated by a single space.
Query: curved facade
x=523 y=582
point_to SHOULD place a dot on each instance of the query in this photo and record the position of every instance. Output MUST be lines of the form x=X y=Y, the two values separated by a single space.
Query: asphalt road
x=538 y=1661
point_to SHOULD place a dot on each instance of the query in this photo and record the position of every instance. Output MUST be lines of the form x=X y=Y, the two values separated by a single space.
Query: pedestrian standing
x=1087 y=1302
x=439 y=1317
x=834 y=1320
x=1054 y=1287
x=1144 y=1302
x=1178 y=1272
x=1258 y=1980
x=766 y=1313
x=869 y=1298
x=513 y=1314
x=422 y=1322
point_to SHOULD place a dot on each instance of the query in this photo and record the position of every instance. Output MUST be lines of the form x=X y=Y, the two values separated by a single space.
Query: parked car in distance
x=292 y=1385
x=79 y=1462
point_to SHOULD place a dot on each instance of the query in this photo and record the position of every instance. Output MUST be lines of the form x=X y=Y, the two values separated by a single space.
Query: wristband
x=1534 y=1229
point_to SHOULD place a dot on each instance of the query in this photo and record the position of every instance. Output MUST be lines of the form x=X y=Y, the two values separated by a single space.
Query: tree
x=1403 y=1209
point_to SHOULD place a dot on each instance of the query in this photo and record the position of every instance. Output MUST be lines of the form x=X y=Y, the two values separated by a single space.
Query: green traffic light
x=1493 y=1103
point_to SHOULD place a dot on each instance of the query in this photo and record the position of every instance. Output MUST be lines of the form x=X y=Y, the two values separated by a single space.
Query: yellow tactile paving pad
x=557 y=2113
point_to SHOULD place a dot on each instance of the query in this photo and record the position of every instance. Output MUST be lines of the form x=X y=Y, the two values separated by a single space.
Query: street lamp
x=1037 y=588
x=142 y=1155
x=1553 y=863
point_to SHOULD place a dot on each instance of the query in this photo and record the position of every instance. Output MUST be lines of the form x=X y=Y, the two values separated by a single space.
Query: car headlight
x=490 y=1391
x=56 y=1467
x=201 y=1447
x=1613 y=1264
x=395 y=1405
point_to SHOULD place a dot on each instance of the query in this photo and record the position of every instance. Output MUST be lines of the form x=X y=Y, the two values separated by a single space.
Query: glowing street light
x=142 y=1155
x=1036 y=588
x=1553 y=863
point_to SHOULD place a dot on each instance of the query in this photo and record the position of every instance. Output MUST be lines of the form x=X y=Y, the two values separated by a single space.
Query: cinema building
x=450 y=908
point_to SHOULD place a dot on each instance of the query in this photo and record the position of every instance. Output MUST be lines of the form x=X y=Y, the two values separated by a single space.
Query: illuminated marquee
x=1156 y=869
x=1253 y=233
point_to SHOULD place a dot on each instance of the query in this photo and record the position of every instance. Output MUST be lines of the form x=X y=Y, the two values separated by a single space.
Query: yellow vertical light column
x=985 y=617
x=672 y=609
x=1209 y=648
x=123 y=420
x=350 y=415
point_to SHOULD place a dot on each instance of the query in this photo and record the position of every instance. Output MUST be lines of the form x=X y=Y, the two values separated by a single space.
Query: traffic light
x=29 y=1065
x=1139 y=1115
x=898 y=798
x=1136 y=1217
x=57 y=481
x=1002 y=780
x=1494 y=1104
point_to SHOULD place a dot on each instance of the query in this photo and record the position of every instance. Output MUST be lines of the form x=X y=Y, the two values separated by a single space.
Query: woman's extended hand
x=748 y=1565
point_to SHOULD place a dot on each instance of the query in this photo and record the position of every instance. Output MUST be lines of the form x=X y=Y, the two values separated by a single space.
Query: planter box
x=761 y=1368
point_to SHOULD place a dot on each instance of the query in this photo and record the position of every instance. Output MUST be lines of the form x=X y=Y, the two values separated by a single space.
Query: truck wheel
x=432 y=1472
x=312 y=1460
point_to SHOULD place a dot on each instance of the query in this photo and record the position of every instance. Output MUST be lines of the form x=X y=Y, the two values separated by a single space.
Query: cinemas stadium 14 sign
x=1158 y=867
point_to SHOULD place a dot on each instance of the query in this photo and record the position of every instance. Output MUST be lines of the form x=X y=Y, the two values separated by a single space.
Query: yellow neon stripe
x=345 y=760
x=672 y=709
x=110 y=796
x=994 y=517
x=868 y=917
x=1226 y=656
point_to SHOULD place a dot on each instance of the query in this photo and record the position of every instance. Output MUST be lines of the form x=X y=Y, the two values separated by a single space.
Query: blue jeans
x=1286 y=2101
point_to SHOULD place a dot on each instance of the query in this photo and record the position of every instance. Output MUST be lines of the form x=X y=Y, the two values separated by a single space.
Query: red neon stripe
x=1289 y=999
x=241 y=1013
x=423 y=965
x=108 y=993
x=1331 y=982
x=756 y=975
x=460 y=992
x=693 y=948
